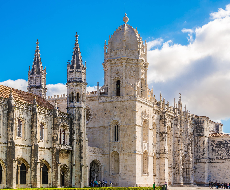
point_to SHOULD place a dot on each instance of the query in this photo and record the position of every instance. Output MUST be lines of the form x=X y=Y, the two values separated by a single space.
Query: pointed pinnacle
x=76 y=37
x=37 y=42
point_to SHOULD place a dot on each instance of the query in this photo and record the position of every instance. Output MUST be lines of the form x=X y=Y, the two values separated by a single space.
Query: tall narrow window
x=63 y=137
x=78 y=97
x=0 y=174
x=118 y=88
x=60 y=137
x=145 y=162
x=71 y=97
x=141 y=89
x=19 y=129
x=145 y=131
x=22 y=174
x=17 y=175
x=44 y=174
x=62 y=179
x=41 y=132
x=116 y=132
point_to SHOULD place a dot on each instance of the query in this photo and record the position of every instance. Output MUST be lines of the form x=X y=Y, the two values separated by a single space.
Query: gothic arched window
x=19 y=128
x=145 y=162
x=22 y=174
x=41 y=132
x=78 y=97
x=71 y=97
x=0 y=174
x=145 y=131
x=141 y=89
x=44 y=174
x=116 y=132
x=118 y=88
x=63 y=137
x=60 y=137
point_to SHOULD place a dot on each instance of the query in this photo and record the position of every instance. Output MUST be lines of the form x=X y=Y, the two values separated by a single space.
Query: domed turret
x=125 y=42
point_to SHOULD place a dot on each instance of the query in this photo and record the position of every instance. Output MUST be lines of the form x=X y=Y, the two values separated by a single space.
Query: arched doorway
x=95 y=171
x=0 y=174
x=23 y=174
x=44 y=174
x=64 y=176
x=62 y=179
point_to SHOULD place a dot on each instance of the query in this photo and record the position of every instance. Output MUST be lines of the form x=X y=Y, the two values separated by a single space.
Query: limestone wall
x=219 y=158
x=61 y=101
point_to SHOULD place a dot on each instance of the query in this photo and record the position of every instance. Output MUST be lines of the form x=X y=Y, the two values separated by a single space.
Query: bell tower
x=125 y=63
x=37 y=76
x=76 y=97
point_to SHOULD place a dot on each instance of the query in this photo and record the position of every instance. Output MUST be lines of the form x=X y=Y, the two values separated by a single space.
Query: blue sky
x=181 y=37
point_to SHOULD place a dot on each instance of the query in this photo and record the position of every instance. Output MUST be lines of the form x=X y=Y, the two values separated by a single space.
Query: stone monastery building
x=119 y=133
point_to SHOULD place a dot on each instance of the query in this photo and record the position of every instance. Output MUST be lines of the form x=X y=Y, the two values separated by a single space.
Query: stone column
x=19 y=181
x=14 y=174
x=39 y=176
x=58 y=177
x=10 y=153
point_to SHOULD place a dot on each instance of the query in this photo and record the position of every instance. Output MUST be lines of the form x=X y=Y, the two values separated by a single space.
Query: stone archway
x=95 y=171
x=64 y=176
x=2 y=174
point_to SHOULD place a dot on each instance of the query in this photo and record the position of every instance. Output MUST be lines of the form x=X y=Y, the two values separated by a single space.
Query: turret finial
x=125 y=18
x=37 y=42
x=76 y=37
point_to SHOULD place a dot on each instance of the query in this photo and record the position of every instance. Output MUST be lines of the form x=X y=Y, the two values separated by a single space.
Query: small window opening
x=19 y=130
x=116 y=133
x=78 y=97
x=118 y=88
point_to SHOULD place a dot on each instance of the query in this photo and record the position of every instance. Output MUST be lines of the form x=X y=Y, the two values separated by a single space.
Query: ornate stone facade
x=119 y=133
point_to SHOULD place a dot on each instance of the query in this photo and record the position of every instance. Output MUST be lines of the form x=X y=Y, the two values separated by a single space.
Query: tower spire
x=37 y=64
x=76 y=57
x=37 y=75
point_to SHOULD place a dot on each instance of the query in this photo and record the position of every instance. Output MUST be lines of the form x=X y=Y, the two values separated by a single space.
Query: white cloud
x=154 y=43
x=221 y=13
x=20 y=84
x=56 y=89
x=91 y=88
x=190 y=32
x=199 y=70
x=52 y=89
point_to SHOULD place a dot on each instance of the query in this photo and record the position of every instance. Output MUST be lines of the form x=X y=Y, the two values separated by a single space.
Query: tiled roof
x=24 y=97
